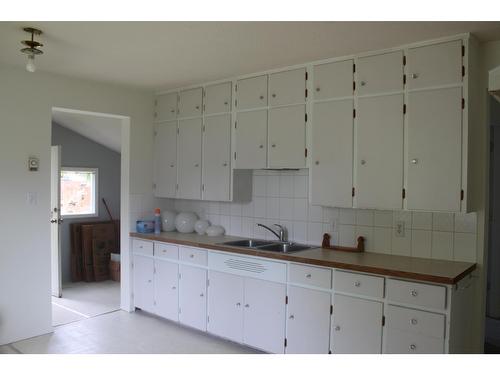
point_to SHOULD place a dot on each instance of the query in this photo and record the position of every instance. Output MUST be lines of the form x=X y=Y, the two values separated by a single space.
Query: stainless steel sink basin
x=284 y=247
x=247 y=243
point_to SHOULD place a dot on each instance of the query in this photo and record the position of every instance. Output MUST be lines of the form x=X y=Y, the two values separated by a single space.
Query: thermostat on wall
x=33 y=164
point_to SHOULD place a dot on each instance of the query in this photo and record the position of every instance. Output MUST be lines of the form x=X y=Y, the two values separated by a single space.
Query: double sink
x=279 y=247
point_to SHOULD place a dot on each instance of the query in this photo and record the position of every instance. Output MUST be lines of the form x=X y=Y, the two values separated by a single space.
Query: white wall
x=26 y=101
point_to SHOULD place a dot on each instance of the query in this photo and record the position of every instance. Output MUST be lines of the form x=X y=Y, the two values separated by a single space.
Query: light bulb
x=30 y=66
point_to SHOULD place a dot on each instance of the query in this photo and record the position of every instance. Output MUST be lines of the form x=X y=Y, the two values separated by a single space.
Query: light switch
x=400 y=229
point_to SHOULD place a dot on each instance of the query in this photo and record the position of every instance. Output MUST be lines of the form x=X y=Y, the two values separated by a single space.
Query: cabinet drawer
x=164 y=250
x=192 y=255
x=142 y=247
x=400 y=342
x=356 y=283
x=307 y=275
x=415 y=321
x=425 y=295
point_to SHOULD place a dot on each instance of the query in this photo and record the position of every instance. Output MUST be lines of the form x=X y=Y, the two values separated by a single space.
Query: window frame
x=95 y=192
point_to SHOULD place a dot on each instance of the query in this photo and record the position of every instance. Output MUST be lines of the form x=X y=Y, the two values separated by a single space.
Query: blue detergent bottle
x=157 y=221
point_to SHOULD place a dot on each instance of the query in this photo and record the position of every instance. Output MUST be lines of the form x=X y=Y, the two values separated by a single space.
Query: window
x=79 y=192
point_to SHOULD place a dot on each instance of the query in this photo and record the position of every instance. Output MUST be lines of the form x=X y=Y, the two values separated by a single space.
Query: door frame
x=125 y=261
x=55 y=207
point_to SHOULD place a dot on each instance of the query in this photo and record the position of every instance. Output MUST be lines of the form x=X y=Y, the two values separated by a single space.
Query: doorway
x=89 y=212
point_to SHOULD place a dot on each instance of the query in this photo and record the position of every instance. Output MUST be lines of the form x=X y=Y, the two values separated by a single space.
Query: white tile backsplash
x=443 y=222
x=422 y=220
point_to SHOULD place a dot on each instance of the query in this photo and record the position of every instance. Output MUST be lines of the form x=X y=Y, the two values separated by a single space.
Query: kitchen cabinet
x=434 y=153
x=193 y=296
x=251 y=93
x=190 y=102
x=251 y=140
x=287 y=137
x=333 y=80
x=332 y=154
x=216 y=175
x=288 y=87
x=166 y=107
x=435 y=65
x=165 y=159
x=217 y=98
x=166 y=296
x=308 y=324
x=189 y=159
x=379 y=152
x=143 y=283
x=380 y=73
x=356 y=325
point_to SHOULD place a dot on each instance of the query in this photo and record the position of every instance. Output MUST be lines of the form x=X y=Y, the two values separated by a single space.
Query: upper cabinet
x=189 y=159
x=251 y=140
x=251 y=93
x=379 y=73
x=166 y=107
x=333 y=80
x=435 y=65
x=190 y=102
x=287 y=87
x=165 y=162
x=217 y=98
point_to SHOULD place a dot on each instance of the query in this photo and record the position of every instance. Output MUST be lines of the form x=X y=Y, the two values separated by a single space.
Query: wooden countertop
x=431 y=270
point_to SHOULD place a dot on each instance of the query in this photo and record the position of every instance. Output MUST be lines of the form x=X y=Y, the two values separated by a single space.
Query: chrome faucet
x=281 y=234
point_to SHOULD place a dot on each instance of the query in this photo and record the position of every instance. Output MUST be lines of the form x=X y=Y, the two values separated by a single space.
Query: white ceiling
x=104 y=130
x=161 y=55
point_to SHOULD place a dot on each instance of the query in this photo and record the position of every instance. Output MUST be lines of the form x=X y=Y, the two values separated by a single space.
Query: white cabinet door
x=264 y=315
x=166 y=285
x=217 y=98
x=434 y=151
x=193 y=297
x=379 y=152
x=380 y=73
x=435 y=65
x=216 y=158
x=333 y=80
x=189 y=159
x=251 y=93
x=287 y=87
x=308 y=325
x=143 y=283
x=251 y=140
x=332 y=154
x=356 y=326
x=190 y=102
x=225 y=305
x=165 y=150
x=287 y=137
x=166 y=107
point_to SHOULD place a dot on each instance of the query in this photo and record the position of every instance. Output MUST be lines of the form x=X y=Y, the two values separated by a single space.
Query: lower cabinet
x=356 y=325
x=308 y=324
x=193 y=297
x=166 y=284
x=143 y=283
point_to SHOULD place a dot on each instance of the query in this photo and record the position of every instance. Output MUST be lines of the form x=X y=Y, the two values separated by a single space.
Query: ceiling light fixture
x=32 y=48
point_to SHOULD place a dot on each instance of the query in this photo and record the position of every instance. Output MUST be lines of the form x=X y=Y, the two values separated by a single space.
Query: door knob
x=413 y=321
x=337 y=328
x=414 y=161
x=414 y=75
x=53 y=221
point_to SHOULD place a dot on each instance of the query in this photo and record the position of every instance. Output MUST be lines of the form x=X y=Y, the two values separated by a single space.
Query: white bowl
x=201 y=226
x=215 y=230
x=168 y=220
x=184 y=222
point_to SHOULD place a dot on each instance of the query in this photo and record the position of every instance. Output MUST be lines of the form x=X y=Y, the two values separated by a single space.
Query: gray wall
x=78 y=151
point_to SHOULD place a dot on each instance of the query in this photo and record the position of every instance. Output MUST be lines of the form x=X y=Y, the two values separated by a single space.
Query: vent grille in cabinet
x=245 y=265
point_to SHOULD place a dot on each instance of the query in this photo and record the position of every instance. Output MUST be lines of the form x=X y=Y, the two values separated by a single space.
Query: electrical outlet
x=400 y=229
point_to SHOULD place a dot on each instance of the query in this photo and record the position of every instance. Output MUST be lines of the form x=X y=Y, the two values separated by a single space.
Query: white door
x=216 y=158
x=193 y=297
x=379 y=152
x=190 y=102
x=189 y=159
x=380 y=73
x=143 y=283
x=165 y=149
x=264 y=315
x=217 y=98
x=251 y=93
x=55 y=220
x=434 y=153
x=287 y=87
x=435 y=65
x=308 y=324
x=333 y=80
x=287 y=137
x=166 y=107
x=225 y=305
x=332 y=154
x=166 y=289
x=356 y=326
x=251 y=140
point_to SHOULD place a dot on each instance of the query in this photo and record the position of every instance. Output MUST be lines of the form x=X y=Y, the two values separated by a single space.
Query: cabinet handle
x=414 y=75
x=247 y=305
x=413 y=321
x=291 y=317
x=273 y=145
x=261 y=146
x=318 y=89
x=273 y=95
x=201 y=295
x=238 y=304
x=261 y=97
x=363 y=83
x=357 y=284
x=413 y=347
x=308 y=276
x=363 y=162
x=414 y=161
x=337 y=328
x=414 y=293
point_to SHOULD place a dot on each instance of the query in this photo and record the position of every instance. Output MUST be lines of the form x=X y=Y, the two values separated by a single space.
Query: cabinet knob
x=316 y=162
x=308 y=276
x=261 y=97
x=273 y=95
x=357 y=284
x=197 y=107
x=172 y=111
x=171 y=165
x=414 y=75
x=291 y=317
x=247 y=305
x=196 y=165
x=363 y=162
x=261 y=146
x=201 y=295
x=413 y=347
x=191 y=255
x=337 y=328
x=224 y=165
x=225 y=103
x=414 y=161
x=238 y=304
x=318 y=89
x=174 y=288
x=273 y=145
x=363 y=83
x=413 y=321
x=149 y=281
x=414 y=293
